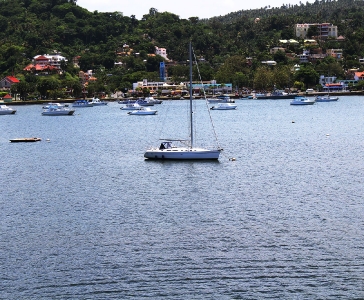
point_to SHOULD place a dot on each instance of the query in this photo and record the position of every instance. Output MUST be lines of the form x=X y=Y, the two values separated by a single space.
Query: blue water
x=84 y=216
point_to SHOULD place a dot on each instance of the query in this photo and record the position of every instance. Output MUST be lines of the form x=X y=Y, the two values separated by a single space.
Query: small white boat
x=97 y=102
x=132 y=106
x=224 y=106
x=143 y=111
x=82 y=103
x=55 y=104
x=57 y=111
x=326 y=98
x=300 y=100
x=6 y=110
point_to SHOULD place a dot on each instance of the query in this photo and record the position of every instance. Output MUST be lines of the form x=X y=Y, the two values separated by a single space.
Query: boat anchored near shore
x=26 y=140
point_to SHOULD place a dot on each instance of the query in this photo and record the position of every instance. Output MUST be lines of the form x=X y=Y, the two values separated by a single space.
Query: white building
x=49 y=59
x=162 y=52
x=324 y=30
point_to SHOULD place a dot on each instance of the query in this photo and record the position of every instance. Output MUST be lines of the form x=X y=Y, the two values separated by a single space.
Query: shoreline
x=20 y=102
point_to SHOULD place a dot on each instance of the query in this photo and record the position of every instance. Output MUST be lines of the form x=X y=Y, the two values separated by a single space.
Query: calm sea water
x=84 y=216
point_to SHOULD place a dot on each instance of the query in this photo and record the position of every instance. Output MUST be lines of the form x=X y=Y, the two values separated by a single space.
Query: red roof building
x=8 y=81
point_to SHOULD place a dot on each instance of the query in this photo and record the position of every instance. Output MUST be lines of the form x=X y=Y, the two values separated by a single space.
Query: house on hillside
x=359 y=76
x=162 y=52
x=46 y=63
x=324 y=30
x=8 y=81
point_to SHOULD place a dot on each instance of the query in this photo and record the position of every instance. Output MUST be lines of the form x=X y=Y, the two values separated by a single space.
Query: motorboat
x=224 y=98
x=6 y=110
x=126 y=101
x=326 y=98
x=184 y=149
x=144 y=102
x=82 y=103
x=301 y=100
x=143 y=111
x=224 y=106
x=276 y=94
x=97 y=102
x=132 y=106
x=153 y=100
x=58 y=111
x=55 y=104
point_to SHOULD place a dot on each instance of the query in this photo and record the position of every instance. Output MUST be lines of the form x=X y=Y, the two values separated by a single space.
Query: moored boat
x=57 y=111
x=97 y=102
x=132 y=106
x=82 y=103
x=143 y=111
x=187 y=151
x=26 y=140
x=276 y=94
x=6 y=110
x=54 y=104
x=152 y=100
x=224 y=98
x=301 y=100
x=224 y=106
x=326 y=98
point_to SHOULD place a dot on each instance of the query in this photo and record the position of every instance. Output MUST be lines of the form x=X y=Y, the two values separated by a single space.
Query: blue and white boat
x=144 y=102
x=82 y=103
x=97 y=102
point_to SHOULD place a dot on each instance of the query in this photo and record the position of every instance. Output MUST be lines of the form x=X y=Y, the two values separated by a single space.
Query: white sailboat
x=187 y=151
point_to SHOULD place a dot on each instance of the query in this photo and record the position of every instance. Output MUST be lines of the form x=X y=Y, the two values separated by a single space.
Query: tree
x=307 y=74
x=23 y=88
x=47 y=85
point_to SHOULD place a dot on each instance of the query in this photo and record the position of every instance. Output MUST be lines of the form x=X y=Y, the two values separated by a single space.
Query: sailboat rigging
x=188 y=151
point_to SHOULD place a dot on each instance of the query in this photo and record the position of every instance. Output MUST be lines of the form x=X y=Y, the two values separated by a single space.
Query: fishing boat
x=187 y=150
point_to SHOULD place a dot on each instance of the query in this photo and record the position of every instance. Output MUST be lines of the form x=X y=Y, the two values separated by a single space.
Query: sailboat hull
x=182 y=154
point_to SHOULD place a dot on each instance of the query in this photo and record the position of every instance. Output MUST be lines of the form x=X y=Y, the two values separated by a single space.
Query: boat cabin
x=165 y=145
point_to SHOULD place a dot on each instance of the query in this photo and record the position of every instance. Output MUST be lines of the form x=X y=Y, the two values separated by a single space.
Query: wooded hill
x=31 y=27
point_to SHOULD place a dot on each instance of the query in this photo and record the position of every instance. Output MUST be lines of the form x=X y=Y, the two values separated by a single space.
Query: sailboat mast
x=191 y=112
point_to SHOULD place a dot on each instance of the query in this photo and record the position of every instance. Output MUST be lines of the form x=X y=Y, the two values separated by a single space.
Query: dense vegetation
x=31 y=27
